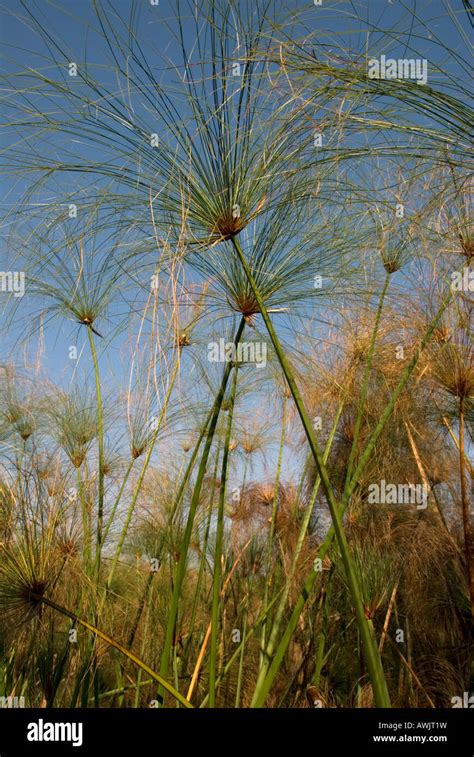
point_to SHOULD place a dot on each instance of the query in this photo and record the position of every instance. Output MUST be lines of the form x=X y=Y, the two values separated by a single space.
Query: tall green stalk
x=270 y=648
x=139 y=483
x=198 y=593
x=140 y=608
x=181 y=567
x=85 y=518
x=216 y=586
x=117 y=499
x=320 y=656
x=466 y=519
x=189 y=468
x=371 y=650
x=128 y=518
x=111 y=642
x=238 y=690
x=313 y=575
x=253 y=629
x=271 y=536
x=100 y=442
x=365 y=382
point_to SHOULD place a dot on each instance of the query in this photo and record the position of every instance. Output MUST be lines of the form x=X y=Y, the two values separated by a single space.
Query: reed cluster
x=181 y=530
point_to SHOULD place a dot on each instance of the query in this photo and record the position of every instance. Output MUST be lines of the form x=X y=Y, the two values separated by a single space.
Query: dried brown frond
x=467 y=245
x=246 y=304
x=227 y=226
x=452 y=368
x=183 y=340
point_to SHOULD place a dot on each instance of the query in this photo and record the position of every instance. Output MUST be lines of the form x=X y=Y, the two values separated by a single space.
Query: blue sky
x=418 y=28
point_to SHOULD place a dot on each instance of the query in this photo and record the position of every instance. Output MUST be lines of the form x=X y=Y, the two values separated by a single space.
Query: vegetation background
x=187 y=533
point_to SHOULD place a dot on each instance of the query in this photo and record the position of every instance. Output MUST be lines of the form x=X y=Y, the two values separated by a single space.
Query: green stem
x=371 y=650
x=123 y=689
x=85 y=519
x=312 y=576
x=140 y=608
x=111 y=642
x=198 y=594
x=365 y=382
x=299 y=545
x=238 y=690
x=100 y=441
x=138 y=486
x=263 y=654
x=117 y=500
x=181 y=567
x=238 y=650
x=216 y=587
x=468 y=540
x=189 y=468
